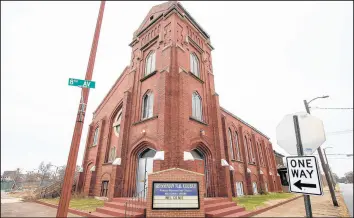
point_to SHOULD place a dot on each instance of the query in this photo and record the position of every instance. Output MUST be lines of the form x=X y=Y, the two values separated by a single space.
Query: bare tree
x=44 y=171
x=349 y=176
x=61 y=172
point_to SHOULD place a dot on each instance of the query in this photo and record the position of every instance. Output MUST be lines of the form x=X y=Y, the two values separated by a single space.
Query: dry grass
x=25 y=195
x=83 y=204
x=252 y=202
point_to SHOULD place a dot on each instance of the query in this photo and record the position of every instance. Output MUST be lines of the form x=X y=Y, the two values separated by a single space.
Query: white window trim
x=254 y=188
x=197 y=106
x=239 y=189
x=194 y=62
x=148 y=107
x=150 y=63
x=253 y=160
x=117 y=122
x=95 y=137
x=112 y=154
x=231 y=146
x=238 y=153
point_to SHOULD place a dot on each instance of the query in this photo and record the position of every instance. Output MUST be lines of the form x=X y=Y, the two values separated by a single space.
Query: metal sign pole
x=300 y=152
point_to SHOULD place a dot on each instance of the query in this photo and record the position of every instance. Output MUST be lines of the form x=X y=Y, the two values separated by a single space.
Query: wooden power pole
x=79 y=122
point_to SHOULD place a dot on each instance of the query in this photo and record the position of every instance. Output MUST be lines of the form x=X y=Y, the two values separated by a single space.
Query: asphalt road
x=347 y=192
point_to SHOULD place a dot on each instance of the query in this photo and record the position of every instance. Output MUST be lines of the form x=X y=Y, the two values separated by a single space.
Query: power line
x=339 y=132
x=334 y=108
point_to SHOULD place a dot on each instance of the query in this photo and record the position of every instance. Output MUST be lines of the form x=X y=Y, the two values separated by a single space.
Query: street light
x=330 y=185
x=329 y=168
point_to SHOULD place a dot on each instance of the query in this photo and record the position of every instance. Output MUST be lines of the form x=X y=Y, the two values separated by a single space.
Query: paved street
x=347 y=192
x=15 y=207
x=321 y=207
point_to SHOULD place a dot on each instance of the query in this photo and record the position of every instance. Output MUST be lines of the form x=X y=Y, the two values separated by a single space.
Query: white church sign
x=175 y=195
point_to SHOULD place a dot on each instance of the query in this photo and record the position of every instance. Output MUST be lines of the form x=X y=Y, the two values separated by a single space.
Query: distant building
x=282 y=171
x=8 y=175
x=279 y=160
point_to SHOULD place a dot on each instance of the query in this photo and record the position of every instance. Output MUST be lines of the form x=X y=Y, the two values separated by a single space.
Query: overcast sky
x=268 y=58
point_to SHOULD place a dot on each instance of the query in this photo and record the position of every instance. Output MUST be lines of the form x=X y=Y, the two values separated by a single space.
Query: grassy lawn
x=83 y=204
x=251 y=202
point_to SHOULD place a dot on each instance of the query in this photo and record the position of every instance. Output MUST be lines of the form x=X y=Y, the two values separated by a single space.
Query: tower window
x=152 y=17
x=196 y=106
x=95 y=137
x=112 y=154
x=148 y=105
x=116 y=124
x=194 y=65
x=150 y=63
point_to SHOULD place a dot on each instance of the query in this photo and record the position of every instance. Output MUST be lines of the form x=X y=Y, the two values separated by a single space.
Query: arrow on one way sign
x=300 y=185
x=303 y=175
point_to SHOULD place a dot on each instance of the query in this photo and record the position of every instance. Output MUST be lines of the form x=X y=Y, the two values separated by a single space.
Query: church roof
x=158 y=10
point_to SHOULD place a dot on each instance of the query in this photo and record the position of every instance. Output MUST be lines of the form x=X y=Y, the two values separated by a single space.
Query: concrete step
x=225 y=211
x=97 y=214
x=120 y=199
x=214 y=200
x=117 y=212
x=121 y=205
x=220 y=205
x=240 y=214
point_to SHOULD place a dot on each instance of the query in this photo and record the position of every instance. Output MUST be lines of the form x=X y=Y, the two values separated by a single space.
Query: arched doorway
x=201 y=166
x=145 y=166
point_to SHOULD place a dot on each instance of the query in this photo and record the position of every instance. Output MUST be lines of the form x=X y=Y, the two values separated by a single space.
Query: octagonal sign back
x=311 y=131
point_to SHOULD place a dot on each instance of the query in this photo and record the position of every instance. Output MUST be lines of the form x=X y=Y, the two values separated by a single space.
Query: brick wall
x=171 y=129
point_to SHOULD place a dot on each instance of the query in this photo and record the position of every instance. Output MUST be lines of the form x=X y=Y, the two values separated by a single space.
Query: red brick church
x=163 y=112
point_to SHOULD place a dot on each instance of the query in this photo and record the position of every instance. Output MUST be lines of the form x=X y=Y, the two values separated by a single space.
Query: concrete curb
x=261 y=210
x=77 y=212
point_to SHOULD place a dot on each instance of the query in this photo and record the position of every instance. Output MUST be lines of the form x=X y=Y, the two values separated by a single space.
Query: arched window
x=238 y=152
x=148 y=105
x=252 y=160
x=194 y=64
x=197 y=155
x=246 y=150
x=95 y=137
x=232 y=155
x=260 y=154
x=117 y=121
x=112 y=154
x=196 y=106
x=150 y=63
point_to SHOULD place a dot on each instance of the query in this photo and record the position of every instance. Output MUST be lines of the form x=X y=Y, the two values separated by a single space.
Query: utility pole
x=79 y=122
x=330 y=185
x=329 y=168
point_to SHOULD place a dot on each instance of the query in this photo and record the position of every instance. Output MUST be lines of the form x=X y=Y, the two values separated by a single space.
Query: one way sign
x=303 y=175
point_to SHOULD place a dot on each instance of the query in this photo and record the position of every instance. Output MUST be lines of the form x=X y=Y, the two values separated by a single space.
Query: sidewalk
x=15 y=207
x=322 y=206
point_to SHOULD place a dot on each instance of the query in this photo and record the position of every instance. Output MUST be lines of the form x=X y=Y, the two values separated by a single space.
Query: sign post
x=300 y=152
x=300 y=134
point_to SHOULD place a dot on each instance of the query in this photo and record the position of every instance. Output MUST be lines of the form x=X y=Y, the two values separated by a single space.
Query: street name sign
x=175 y=195
x=82 y=83
x=311 y=131
x=303 y=175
